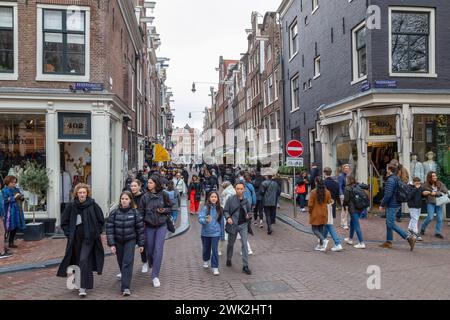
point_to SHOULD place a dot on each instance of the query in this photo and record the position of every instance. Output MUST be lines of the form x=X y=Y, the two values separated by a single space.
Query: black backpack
x=403 y=191
x=360 y=199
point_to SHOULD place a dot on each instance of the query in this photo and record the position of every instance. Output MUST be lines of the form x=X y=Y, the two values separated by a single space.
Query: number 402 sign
x=74 y=126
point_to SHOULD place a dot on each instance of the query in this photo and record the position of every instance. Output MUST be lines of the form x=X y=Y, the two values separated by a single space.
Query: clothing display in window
x=416 y=169
x=430 y=164
x=65 y=187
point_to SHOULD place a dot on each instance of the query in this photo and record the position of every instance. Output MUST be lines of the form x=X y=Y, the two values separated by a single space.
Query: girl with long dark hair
x=211 y=219
x=318 y=211
x=433 y=189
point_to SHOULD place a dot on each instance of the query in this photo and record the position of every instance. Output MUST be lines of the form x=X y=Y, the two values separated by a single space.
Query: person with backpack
x=415 y=207
x=174 y=196
x=393 y=197
x=403 y=174
x=270 y=191
x=125 y=229
x=433 y=189
x=195 y=194
x=318 y=202
x=179 y=184
x=333 y=187
x=357 y=201
x=211 y=219
x=258 y=211
x=301 y=190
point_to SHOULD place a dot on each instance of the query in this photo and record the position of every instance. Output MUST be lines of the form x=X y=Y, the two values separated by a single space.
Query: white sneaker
x=145 y=268
x=345 y=227
x=205 y=264
x=261 y=224
x=318 y=247
x=360 y=245
x=337 y=248
x=82 y=292
x=156 y=283
x=250 y=252
x=220 y=253
x=215 y=271
x=325 y=244
x=119 y=276
x=303 y=210
x=348 y=241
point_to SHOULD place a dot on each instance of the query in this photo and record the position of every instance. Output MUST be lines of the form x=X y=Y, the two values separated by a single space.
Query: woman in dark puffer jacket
x=124 y=229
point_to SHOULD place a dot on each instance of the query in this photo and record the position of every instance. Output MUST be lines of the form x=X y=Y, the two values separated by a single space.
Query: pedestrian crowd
x=150 y=202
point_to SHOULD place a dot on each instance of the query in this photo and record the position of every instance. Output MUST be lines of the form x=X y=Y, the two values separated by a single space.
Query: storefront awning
x=337 y=119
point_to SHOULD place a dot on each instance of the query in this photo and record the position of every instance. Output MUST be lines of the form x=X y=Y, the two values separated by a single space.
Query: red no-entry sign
x=294 y=148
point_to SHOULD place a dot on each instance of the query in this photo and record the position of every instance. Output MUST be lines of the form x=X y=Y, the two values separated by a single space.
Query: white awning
x=336 y=119
x=431 y=110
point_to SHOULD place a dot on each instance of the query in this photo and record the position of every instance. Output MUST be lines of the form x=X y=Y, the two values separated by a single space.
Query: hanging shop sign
x=74 y=126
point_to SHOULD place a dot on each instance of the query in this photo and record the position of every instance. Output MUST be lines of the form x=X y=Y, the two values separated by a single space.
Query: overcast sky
x=194 y=34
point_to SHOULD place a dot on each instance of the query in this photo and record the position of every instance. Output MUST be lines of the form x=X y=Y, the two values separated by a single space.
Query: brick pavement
x=284 y=260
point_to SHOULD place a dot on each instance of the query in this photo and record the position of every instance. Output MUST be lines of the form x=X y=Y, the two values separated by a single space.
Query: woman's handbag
x=330 y=213
x=442 y=200
x=231 y=228
x=170 y=224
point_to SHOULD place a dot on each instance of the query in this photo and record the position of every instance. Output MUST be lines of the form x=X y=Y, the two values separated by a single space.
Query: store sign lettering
x=18 y=141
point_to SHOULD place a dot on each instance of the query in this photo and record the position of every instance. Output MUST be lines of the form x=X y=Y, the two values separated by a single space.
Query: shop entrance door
x=379 y=156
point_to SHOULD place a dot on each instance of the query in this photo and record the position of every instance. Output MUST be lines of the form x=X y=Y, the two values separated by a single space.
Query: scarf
x=91 y=226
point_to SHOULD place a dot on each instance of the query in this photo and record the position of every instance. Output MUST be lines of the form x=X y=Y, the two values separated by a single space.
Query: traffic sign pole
x=294 y=149
x=293 y=197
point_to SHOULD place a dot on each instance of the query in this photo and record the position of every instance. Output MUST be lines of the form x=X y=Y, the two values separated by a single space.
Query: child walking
x=124 y=229
x=211 y=219
x=415 y=206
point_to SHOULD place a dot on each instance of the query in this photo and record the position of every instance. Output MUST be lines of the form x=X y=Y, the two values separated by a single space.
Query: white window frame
x=265 y=95
x=315 y=6
x=291 y=40
x=296 y=77
x=13 y=76
x=356 y=77
x=316 y=67
x=269 y=90
x=139 y=77
x=40 y=75
x=275 y=81
x=269 y=52
x=431 y=43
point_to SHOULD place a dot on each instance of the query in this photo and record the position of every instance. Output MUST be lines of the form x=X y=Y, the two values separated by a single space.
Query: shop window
x=22 y=138
x=382 y=126
x=431 y=146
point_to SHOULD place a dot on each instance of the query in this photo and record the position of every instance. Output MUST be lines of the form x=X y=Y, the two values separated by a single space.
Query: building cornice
x=284 y=7
x=129 y=16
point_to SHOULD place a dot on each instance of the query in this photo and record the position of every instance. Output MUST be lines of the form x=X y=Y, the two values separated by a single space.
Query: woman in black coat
x=137 y=194
x=82 y=222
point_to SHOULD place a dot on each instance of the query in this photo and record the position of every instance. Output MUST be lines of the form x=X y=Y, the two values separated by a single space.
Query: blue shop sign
x=385 y=83
x=89 y=86
x=365 y=86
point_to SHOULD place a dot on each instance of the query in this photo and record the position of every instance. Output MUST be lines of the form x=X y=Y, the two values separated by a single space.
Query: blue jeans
x=364 y=214
x=431 y=210
x=211 y=244
x=391 y=226
x=355 y=227
x=329 y=229
x=174 y=216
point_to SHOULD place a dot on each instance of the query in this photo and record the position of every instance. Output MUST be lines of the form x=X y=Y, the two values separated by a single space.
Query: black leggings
x=318 y=232
x=12 y=236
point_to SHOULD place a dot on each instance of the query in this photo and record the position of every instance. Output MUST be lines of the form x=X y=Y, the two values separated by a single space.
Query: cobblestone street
x=284 y=266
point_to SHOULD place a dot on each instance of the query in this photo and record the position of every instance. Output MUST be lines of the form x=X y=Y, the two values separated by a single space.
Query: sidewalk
x=49 y=252
x=373 y=228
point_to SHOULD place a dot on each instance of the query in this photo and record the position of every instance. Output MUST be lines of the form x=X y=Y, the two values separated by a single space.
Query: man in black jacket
x=332 y=186
x=236 y=211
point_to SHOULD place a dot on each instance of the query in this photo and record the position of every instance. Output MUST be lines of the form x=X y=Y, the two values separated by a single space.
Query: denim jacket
x=213 y=228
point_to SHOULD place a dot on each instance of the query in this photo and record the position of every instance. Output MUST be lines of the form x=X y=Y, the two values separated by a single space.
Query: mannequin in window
x=416 y=169
x=430 y=164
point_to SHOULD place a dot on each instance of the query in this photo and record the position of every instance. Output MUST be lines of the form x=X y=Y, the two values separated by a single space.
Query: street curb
x=55 y=262
x=302 y=228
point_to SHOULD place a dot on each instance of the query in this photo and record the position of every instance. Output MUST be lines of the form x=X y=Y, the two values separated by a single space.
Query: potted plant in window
x=35 y=180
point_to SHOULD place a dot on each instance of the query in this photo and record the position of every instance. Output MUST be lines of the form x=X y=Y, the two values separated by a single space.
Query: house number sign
x=74 y=126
